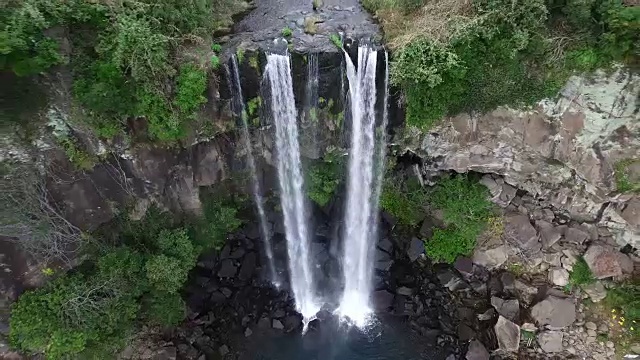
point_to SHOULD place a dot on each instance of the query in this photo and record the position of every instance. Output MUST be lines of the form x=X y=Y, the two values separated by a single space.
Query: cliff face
x=566 y=152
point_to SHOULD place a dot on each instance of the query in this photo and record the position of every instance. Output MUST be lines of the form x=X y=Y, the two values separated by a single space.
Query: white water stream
x=238 y=101
x=292 y=197
x=362 y=191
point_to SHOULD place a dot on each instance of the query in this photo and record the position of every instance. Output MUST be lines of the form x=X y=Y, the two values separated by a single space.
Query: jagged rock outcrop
x=562 y=152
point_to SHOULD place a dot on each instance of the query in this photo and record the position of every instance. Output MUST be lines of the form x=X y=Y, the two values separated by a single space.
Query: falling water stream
x=381 y=146
x=239 y=107
x=361 y=208
x=292 y=197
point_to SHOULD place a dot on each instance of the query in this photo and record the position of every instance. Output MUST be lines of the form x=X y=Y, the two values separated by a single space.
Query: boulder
x=510 y=309
x=223 y=350
x=277 y=324
x=631 y=212
x=555 y=312
x=568 y=260
x=559 y=276
x=575 y=235
x=606 y=262
x=490 y=258
x=596 y=291
x=416 y=249
x=491 y=184
x=519 y=231
x=248 y=266
x=382 y=300
x=508 y=334
x=550 y=341
x=404 y=291
x=549 y=234
x=228 y=269
x=385 y=245
x=451 y=280
x=526 y=292
x=464 y=265
x=507 y=194
x=477 y=351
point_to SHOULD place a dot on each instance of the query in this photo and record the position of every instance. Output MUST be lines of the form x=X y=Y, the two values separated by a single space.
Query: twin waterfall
x=360 y=211
x=364 y=177
x=291 y=182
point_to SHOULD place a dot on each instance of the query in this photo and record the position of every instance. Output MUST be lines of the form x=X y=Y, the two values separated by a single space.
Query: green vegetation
x=581 y=274
x=286 y=32
x=91 y=311
x=216 y=48
x=215 y=62
x=405 y=201
x=451 y=57
x=624 y=302
x=336 y=40
x=127 y=58
x=240 y=55
x=79 y=158
x=624 y=181
x=323 y=178
x=466 y=213
x=253 y=105
x=465 y=210
x=220 y=218
x=94 y=309
x=253 y=62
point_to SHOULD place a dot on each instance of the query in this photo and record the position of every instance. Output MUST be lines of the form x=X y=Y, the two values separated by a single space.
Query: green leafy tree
x=220 y=218
x=165 y=273
x=165 y=309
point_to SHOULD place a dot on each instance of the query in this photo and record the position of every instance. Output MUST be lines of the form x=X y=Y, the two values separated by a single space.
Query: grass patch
x=406 y=201
x=466 y=208
x=622 y=308
x=581 y=274
x=624 y=182
x=286 y=32
x=336 y=40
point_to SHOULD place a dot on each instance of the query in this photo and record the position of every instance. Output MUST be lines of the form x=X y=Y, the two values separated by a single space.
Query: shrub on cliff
x=455 y=56
x=466 y=208
x=404 y=201
x=323 y=178
x=129 y=59
x=220 y=218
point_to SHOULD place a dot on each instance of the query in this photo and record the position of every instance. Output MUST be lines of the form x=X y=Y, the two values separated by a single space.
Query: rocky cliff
x=566 y=153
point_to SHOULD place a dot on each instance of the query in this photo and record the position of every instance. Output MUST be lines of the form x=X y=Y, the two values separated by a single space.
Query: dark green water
x=382 y=342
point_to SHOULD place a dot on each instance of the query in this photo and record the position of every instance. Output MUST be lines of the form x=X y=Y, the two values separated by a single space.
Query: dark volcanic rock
x=248 y=266
x=382 y=300
x=416 y=249
x=228 y=269
x=292 y=322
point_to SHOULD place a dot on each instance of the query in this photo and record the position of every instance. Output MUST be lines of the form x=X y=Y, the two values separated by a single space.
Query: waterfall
x=361 y=205
x=239 y=108
x=381 y=152
x=292 y=197
x=310 y=120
